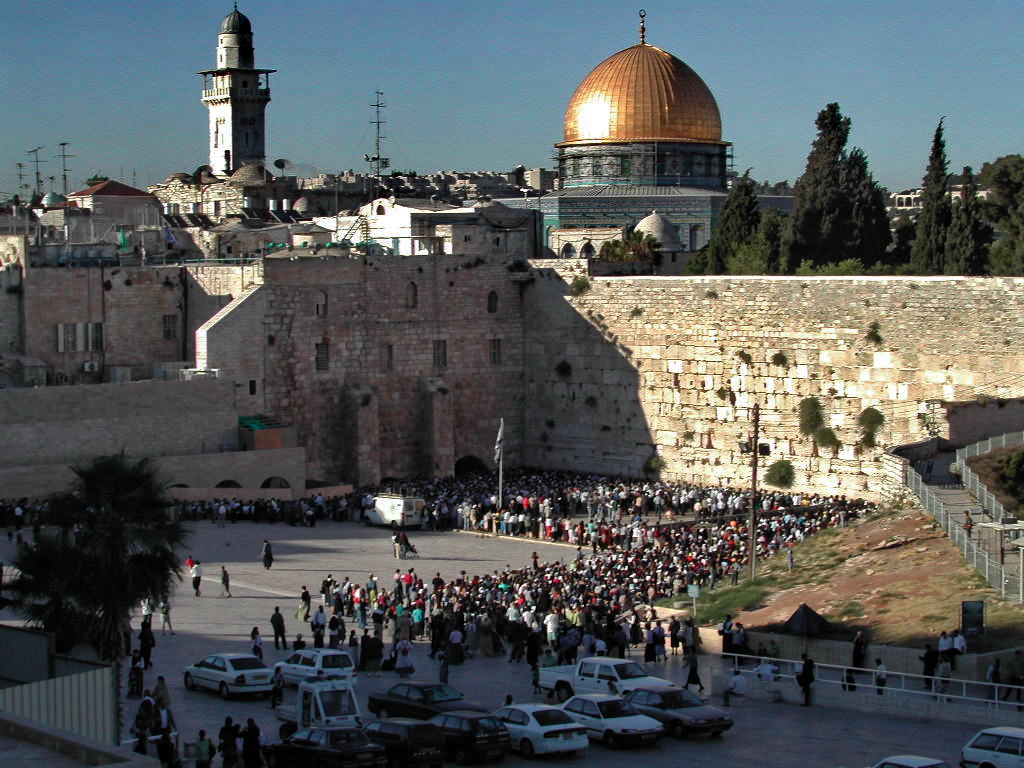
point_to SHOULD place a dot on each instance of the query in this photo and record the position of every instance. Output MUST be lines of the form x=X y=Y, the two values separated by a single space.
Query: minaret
x=236 y=94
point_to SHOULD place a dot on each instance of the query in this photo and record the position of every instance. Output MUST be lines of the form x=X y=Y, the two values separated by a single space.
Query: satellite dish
x=281 y=163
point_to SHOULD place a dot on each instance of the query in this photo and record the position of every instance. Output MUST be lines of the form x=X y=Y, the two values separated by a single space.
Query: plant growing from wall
x=745 y=356
x=636 y=312
x=826 y=438
x=654 y=465
x=873 y=335
x=723 y=393
x=688 y=436
x=780 y=474
x=780 y=359
x=812 y=416
x=712 y=294
x=870 y=421
x=579 y=285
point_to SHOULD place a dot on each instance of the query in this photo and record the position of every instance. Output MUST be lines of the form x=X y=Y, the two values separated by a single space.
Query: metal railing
x=1009 y=584
x=971 y=481
x=855 y=679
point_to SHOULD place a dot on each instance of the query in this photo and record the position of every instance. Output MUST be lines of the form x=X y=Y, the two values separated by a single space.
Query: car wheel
x=383 y=714
x=563 y=691
x=610 y=740
x=190 y=684
x=223 y=690
x=461 y=756
x=526 y=749
x=676 y=729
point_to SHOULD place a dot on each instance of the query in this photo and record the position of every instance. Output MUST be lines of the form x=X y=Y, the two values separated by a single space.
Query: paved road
x=766 y=735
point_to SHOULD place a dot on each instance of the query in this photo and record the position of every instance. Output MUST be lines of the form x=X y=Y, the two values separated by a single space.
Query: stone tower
x=236 y=95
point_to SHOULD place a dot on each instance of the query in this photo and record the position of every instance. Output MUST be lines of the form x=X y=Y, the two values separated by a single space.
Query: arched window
x=412 y=298
x=568 y=251
x=587 y=251
x=381 y=210
x=229 y=484
x=321 y=304
x=492 y=302
x=275 y=482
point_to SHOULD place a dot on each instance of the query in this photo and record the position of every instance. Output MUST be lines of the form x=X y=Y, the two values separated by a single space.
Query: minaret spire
x=643 y=27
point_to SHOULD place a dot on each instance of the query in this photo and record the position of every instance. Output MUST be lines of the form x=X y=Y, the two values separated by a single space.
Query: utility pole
x=37 y=162
x=64 y=165
x=376 y=160
x=755 y=452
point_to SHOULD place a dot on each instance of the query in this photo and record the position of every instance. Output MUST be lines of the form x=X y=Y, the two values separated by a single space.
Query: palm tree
x=113 y=546
x=636 y=246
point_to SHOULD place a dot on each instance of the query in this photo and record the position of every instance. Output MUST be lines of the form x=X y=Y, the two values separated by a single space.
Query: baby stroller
x=411 y=553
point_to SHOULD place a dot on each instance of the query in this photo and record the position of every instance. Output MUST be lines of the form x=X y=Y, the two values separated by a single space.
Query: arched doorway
x=228 y=484
x=568 y=251
x=470 y=465
x=275 y=482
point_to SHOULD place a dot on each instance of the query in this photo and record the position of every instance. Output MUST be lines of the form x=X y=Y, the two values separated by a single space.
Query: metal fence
x=971 y=481
x=1009 y=583
x=84 y=704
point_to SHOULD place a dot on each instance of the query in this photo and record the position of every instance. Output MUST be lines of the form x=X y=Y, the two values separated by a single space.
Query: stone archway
x=470 y=465
x=275 y=482
x=228 y=484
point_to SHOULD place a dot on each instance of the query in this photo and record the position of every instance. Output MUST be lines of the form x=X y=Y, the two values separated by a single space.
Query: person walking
x=319 y=626
x=805 y=677
x=305 y=608
x=228 y=743
x=881 y=676
x=929 y=660
x=267 y=554
x=147 y=642
x=196 y=572
x=165 y=617
x=204 y=751
x=692 y=675
x=225 y=582
x=860 y=649
x=252 y=755
x=277 y=623
x=257 y=642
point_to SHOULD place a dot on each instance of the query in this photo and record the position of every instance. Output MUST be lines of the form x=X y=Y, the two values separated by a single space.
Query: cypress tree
x=1005 y=209
x=812 y=232
x=969 y=236
x=868 y=235
x=928 y=254
x=737 y=225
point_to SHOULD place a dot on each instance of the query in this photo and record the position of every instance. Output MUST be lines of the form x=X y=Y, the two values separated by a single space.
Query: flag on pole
x=497 y=443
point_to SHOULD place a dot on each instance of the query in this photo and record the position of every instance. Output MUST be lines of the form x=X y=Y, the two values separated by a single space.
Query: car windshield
x=552 y=717
x=347 y=738
x=244 y=663
x=630 y=670
x=441 y=693
x=616 y=708
x=680 y=699
x=337 y=703
x=337 y=661
x=489 y=724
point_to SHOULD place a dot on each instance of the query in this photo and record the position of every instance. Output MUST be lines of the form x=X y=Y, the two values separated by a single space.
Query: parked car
x=994 y=748
x=613 y=720
x=471 y=735
x=911 y=761
x=540 y=729
x=408 y=742
x=681 y=712
x=230 y=673
x=327 y=747
x=596 y=674
x=311 y=662
x=419 y=700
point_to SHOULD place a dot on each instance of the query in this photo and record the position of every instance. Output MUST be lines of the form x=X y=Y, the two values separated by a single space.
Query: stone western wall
x=673 y=366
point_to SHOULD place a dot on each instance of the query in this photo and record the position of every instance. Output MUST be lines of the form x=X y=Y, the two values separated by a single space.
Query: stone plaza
x=765 y=734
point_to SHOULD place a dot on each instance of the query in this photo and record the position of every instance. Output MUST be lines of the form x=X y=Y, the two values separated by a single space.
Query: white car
x=314 y=662
x=911 y=761
x=613 y=720
x=540 y=729
x=994 y=748
x=230 y=673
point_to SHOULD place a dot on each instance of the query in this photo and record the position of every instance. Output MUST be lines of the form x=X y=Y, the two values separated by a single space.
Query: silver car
x=230 y=673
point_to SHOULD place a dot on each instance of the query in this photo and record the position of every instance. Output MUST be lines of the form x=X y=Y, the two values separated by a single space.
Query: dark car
x=681 y=712
x=470 y=735
x=419 y=700
x=342 y=747
x=408 y=741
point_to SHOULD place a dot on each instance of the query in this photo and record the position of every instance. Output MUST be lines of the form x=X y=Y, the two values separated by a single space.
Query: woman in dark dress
x=673 y=634
x=650 y=654
x=693 y=676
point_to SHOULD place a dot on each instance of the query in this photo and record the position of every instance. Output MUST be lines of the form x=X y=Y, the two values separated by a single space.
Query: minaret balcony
x=218 y=94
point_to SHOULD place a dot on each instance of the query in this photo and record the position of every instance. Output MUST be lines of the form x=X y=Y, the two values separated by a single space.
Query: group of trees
x=839 y=223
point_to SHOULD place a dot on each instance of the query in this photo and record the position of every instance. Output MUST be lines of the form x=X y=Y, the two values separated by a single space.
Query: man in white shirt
x=737 y=687
x=196 y=572
x=959 y=647
x=881 y=676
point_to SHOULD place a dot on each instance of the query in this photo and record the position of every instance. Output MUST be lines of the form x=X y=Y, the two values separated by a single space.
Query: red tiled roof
x=111 y=188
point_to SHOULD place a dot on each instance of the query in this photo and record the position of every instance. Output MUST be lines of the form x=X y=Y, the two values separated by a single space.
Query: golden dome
x=642 y=94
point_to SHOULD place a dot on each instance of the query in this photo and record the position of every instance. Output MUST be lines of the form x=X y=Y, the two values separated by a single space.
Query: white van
x=395 y=511
x=1001 y=747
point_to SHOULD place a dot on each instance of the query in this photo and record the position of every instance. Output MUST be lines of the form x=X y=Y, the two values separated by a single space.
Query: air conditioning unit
x=90 y=367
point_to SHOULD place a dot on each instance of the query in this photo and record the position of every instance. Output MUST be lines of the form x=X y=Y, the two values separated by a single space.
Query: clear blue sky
x=484 y=85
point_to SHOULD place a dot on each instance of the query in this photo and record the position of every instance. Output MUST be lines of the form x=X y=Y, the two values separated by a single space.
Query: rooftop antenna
x=37 y=162
x=64 y=165
x=643 y=27
x=376 y=160
x=21 y=178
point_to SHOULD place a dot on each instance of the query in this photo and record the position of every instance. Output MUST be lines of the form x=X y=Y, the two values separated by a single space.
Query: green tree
x=867 y=231
x=969 y=236
x=1004 y=208
x=769 y=237
x=814 y=230
x=781 y=474
x=902 y=242
x=636 y=246
x=737 y=225
x=114 y=546
x=928 y=254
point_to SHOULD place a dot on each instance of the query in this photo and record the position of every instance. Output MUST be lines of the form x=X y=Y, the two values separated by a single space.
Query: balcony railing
x=236 y=93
